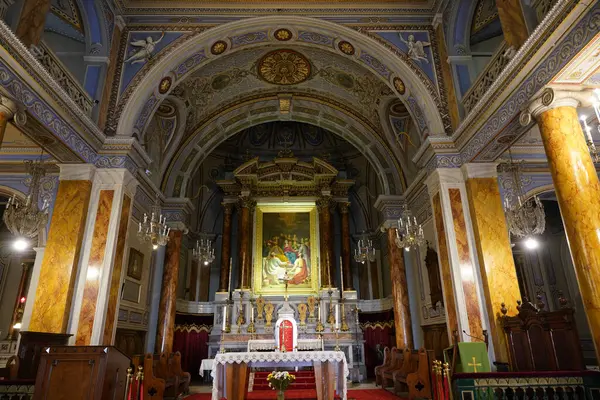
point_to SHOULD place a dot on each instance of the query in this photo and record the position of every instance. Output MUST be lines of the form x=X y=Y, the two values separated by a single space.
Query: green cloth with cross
x=471 y=357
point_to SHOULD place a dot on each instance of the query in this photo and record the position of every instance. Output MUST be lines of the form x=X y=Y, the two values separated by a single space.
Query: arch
x=458 y=34
x=215 y=130
x=141 y=99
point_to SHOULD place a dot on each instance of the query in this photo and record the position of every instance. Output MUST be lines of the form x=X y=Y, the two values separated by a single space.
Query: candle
x=224 y=315
x=328 y=270
x=230 y=266
x=337 y=316
x=341 y=276
x=252 y=314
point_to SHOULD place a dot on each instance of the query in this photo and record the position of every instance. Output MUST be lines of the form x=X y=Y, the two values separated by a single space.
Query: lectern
x=81 y=372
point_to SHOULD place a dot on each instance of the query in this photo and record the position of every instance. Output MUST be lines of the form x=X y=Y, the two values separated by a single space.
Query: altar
x=230 y=371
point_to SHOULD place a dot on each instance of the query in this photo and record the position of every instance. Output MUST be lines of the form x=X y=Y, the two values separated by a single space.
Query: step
x=289 y=394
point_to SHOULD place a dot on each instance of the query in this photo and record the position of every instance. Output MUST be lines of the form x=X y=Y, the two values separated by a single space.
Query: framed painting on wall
x=285 y=248
x=135 y=264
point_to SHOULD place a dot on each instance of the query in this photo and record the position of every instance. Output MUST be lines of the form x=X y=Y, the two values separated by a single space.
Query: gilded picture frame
x=282 y=250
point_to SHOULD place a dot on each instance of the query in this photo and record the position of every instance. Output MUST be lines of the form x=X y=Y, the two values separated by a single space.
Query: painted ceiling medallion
x=218 y=47
x=283 y=35
x=399 y=85
x=346 y=48
x=164 y=85
x=284 y=67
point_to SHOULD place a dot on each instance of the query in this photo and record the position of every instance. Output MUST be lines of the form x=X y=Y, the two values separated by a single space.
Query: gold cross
x=474 y=364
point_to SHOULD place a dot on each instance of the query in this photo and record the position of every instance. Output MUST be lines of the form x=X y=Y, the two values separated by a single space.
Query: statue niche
x=433 y=272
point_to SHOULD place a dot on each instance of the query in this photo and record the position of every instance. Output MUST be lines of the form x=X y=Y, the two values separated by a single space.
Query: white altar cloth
x=278 y=359
x=269 y=344
x=206 y=365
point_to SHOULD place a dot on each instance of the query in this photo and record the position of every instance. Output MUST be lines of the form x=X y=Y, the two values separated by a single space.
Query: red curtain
x=378 y=332
x=286 y=335
x=191 y=340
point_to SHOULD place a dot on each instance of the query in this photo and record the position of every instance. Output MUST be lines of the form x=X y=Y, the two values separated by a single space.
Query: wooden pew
x=184 y=377
x=411 y=363
x=419 y=382
x=396 y=365
x=164 y=371
x=153 y=386
x=10 y=372
x=387 y=360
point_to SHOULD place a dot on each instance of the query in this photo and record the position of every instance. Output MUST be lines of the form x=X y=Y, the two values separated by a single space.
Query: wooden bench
x=419 y=382
x=153 y=386
x=164 y=371
x=396 y=365
x=411 y=363
x=387 y=360
x=184 y=377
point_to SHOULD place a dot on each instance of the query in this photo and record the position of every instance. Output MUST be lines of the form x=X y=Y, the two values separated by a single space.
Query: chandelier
x=409 y=233
x=204 y=252
x=588 y=130
x=154 y=229
x=25 y=220
x=364 y=251
x=525 y=217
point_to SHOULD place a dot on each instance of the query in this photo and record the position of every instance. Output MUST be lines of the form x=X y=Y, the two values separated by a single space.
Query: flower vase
x=281 y=395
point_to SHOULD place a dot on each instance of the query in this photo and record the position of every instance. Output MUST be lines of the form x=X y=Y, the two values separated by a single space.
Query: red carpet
x=358 y=394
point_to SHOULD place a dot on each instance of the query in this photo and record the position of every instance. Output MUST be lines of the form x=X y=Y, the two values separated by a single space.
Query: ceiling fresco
x=212 y=87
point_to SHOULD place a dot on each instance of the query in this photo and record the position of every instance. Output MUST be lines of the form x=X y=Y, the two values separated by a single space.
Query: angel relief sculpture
x=416 y=48
x=145 y=48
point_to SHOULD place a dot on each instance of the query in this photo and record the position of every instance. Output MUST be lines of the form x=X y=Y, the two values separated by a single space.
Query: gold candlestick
x=344 y=324
x=319 y=328
x=337 y=340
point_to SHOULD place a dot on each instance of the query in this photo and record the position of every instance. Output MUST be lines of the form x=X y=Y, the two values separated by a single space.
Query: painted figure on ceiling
x=146 y=47
x=416 y=48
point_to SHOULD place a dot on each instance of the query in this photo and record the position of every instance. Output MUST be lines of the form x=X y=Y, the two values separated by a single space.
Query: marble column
x=158 y=261
x=96 y=296
x=247 y=206
x=226 y=248
x=446 y=71
x=194 y=280
x=8 y=110
x=346 y=250
x=494 y=252
x=58 y=271
x=402 y=321
x=31 y=22
x=326 y=245
x=578 y=193
x=512 y=19
x=463 y=294
x=168 y=294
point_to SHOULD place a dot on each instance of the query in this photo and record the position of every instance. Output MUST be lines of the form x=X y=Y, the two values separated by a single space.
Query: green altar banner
x=470 y=357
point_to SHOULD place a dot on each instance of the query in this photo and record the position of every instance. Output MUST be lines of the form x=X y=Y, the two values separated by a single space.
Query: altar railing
x=527 y=385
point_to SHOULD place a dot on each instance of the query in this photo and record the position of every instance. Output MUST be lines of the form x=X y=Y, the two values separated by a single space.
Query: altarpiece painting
x=286 y=248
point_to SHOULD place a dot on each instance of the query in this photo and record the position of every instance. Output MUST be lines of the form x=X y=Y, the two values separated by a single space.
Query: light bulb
x=17 y=325
x=205 y=262
x=407 y=249
x=154 y=246
x=531 y=243
x=20 y=244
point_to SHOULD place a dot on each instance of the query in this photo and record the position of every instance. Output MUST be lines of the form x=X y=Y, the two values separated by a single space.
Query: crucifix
x=474 y=364
x=286 y=279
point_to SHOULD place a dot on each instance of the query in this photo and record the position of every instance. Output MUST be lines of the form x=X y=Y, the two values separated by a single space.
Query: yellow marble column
x=513 y=22
x=31 y=21
x=578 y=193
x=100 y=271
x=463 y=298
x=52 y=303
x=494 y=252
x=8 y=109
x=402 y=321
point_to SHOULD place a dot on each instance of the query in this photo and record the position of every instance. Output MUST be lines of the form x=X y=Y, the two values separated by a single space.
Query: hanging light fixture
x=525 y=217
x=588 y=130
x=365 y=250
x=25 y=220
x=204 y=253
x=154 y=229
x=409 y=233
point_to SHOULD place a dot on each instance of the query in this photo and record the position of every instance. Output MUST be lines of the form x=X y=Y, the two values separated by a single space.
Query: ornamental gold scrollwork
x=260 y=306
x=284 y=67
x=312 y=302
x=302 y=313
